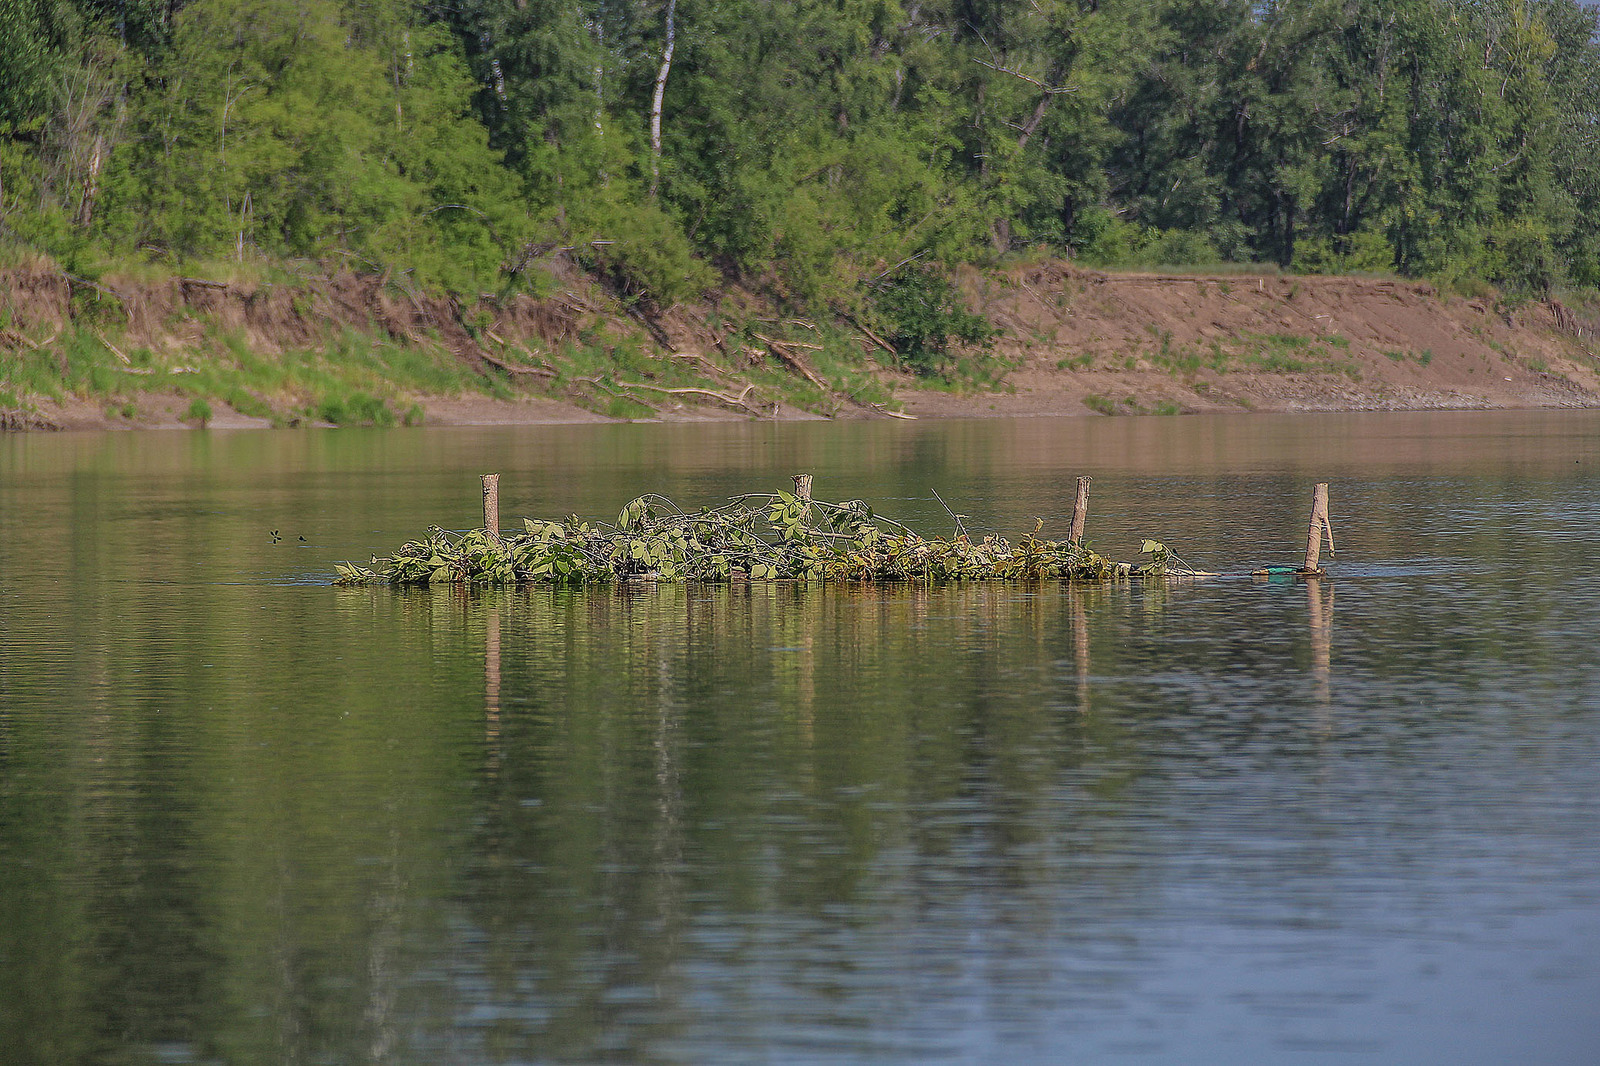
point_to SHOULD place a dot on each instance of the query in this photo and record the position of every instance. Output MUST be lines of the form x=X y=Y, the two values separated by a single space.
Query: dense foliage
x=817 y=149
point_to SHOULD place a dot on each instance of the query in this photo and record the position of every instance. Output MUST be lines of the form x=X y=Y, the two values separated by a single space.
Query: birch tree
x=656 y=98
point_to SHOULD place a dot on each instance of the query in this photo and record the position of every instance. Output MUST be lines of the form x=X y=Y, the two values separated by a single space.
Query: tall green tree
x=811 y=147
x=32 y=34
x=306 y=128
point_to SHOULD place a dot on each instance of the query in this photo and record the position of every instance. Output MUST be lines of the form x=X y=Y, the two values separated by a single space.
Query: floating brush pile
x=765 y=537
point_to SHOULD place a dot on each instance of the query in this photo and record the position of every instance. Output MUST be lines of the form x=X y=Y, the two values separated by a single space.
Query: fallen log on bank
x=779 y=536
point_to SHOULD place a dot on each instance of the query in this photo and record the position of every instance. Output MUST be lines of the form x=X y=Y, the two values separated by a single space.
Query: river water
x=247 y=817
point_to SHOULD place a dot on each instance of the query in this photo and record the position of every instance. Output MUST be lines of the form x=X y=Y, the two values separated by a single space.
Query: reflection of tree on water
x=681 y=797
x=229 y=860
x=699 y=783
x=253 y=824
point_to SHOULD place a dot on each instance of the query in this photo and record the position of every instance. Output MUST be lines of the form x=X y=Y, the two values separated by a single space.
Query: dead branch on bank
x=731 y=401
x=793 y=361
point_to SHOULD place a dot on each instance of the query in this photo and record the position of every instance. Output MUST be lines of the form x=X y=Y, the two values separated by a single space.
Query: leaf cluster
x=760 y=537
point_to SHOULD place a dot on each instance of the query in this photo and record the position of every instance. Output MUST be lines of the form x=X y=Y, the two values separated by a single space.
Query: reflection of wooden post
x=1080 y=511
x=1080 y=647
x=808 y=671
x=1319 y=524
x=491 y=507
x=491 y=667
x=1321 y=613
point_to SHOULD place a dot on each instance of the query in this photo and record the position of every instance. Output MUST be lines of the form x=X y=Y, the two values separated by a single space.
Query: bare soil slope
x=1084 y=340
x=1072 y=342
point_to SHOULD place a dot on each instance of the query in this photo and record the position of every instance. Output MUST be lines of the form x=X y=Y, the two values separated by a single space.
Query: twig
x=697 y=357
x=961 y=530
x=897 y=266
x=705 y=325
x=513 y=368
x=17 y=334
x=113 y=349
x=373 y=265
x=875 y=339
x=792 y=361
x=600 y=384
x=736 y=401
x=1049 y=90
x=73 y=279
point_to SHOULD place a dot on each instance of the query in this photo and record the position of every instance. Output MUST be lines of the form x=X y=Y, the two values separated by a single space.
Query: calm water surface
x=246 y=817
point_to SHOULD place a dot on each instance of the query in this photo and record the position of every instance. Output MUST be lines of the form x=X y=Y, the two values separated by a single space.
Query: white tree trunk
x=655 y=102
x=91 y=182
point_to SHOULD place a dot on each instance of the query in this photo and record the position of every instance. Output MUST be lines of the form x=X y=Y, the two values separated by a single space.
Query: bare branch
x=732 y=401
x=897 y=266
x=1052 y=90
x=792 y=361
x=514 y=368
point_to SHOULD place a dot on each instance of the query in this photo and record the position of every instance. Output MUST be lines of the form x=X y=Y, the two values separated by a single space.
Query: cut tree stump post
x=1080 y=511
x=1319 y=525
x=491 y=507
x=802 y=489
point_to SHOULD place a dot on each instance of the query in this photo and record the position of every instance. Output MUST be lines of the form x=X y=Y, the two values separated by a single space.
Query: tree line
x=824 y=151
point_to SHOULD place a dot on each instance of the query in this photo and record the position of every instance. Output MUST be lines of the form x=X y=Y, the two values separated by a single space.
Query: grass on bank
x=358 y=379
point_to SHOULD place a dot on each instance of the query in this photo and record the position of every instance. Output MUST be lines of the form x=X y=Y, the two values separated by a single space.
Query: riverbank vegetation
x=837 y=160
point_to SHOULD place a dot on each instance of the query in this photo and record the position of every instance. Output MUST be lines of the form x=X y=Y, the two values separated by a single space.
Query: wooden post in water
x=491 y=507
x=1080 y=511
x=802 y=489
x=1319 y=524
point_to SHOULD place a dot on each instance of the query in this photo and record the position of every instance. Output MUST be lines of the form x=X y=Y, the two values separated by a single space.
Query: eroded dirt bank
x=1085 y=340
x=1070 y=342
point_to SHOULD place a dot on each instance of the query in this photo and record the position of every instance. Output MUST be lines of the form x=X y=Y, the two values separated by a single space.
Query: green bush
x=1101 y=238
x=1366 y=251
x=646 y=254
x=356 y=408
x=922 y=312
x=1521 y=256
x=1178 y=247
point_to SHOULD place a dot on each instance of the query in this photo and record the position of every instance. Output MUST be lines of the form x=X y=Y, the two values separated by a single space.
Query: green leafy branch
x=757 y=537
